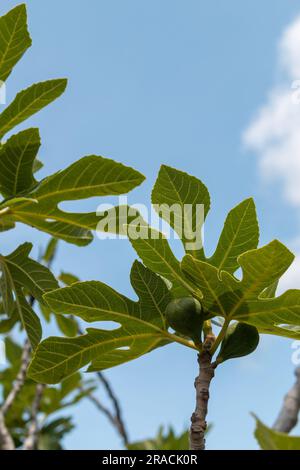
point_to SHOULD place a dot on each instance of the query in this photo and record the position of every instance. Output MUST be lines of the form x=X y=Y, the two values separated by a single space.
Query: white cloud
x=274 y=134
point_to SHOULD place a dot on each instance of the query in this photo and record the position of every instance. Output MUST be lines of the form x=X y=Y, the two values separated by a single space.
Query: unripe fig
x=185 y=316
x=240 y=340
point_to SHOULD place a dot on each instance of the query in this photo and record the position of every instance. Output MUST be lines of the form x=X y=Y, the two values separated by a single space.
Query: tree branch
x=31 y=441
x=6 y=440
x=20 y=378
x=102 y=408
x=202 y=384
x=288 y=415
x=118 y=418
x=115 y=418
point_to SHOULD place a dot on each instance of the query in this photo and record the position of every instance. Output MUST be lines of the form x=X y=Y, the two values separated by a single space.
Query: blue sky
x=171 y=82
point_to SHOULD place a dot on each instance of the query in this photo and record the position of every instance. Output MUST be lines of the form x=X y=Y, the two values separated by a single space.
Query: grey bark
x=20 y=378
x=31 y=441
x=202 y=385
x=118 y=418
x=288 y=415
x=6 y=440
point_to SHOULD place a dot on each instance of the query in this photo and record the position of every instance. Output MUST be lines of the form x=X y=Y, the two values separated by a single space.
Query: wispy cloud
x=274 y=134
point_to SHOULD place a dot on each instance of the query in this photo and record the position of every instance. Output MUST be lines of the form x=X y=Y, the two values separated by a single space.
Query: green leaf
x=7 y=324
x=67 y=278
x=52 y=433
x=37 y=165
x=155 y=252
x=226 y=296
x=174 y=190
x=6 y=224
x=14 y=39
x=90 y=176
x=164 y=440
x=50 y=251
x=29 y=102
x=17 y=157
x=270 y=291
x=67 y=325
x=13 y=351
x=240 y=234
x=174 y=187
x=142 y=326
x=268 y=439
x=19 y=272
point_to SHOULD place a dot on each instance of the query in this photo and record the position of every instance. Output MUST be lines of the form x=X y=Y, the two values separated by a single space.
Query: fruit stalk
x=202 y=384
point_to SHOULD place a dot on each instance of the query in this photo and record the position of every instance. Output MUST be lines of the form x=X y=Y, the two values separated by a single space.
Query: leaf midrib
x=20 y=161
x=175 y=274
x=234 y=238
x=81 y=188
x=11 y=39
x=111 y=340
x=10 y=123
x=112 y=312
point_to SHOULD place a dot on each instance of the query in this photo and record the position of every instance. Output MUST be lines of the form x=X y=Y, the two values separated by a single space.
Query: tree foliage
x=243 y=307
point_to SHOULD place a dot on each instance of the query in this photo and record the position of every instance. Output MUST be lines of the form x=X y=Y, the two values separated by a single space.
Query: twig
x=31 y=441
x=6 y=440
x=102 y=408
x=115 y=418
x=202 y=384
x=288 y=415
x=118 y=418
x=20 y=379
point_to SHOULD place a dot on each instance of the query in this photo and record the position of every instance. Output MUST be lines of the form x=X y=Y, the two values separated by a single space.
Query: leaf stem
x=220 y=337
x=178 y=339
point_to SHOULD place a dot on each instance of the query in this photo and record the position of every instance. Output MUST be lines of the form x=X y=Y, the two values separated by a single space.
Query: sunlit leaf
x=224 y=295
x=17 y=156
x=240 y=234
x=29 y=102
x=174 y=188
x=268 y=439
x=19 y=272
x=14 y=39
x=142 y=326
x=88 y=177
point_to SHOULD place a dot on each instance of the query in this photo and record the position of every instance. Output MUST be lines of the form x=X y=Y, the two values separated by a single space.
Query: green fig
x=240 y=340
x=185 y=316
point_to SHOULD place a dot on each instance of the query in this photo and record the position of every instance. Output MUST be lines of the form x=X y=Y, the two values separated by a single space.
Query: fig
x=185 y=316
x=240 y=340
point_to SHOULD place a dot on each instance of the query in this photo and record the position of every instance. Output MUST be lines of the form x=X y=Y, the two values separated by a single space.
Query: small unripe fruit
x=185 y=316
x=240 y=340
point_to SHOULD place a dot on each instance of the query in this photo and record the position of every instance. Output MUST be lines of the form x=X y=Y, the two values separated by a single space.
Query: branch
x=6 y=440
x=31 y=441
x=288 y=415
x=102 y=408
x=20 y=379
x=202 y=384
x=118 y=418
